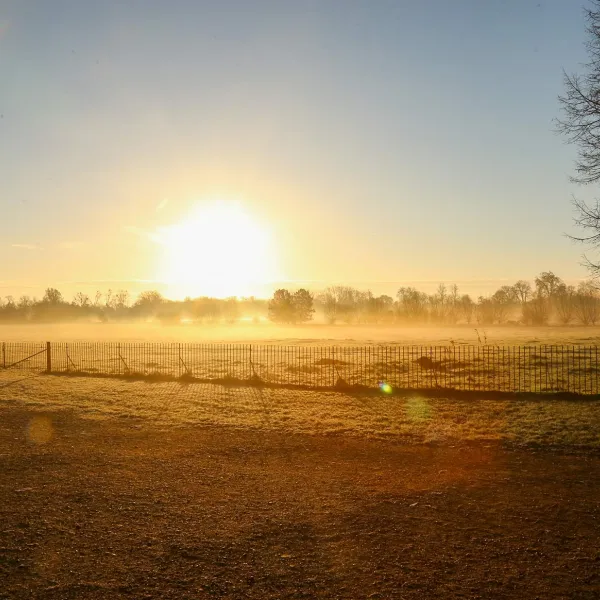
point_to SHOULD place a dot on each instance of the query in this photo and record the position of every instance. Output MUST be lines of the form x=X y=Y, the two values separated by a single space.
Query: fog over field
x=309 y=335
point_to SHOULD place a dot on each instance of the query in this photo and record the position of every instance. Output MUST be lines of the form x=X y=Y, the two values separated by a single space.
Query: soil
x=115 y=509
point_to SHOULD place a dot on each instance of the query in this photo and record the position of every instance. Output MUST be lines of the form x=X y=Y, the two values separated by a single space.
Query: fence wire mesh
x=535 y=369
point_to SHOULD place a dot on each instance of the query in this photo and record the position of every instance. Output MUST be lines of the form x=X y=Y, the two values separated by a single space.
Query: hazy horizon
x=390 y=288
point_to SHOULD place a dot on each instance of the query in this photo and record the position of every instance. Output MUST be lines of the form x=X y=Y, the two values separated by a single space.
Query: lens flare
x=386 y=388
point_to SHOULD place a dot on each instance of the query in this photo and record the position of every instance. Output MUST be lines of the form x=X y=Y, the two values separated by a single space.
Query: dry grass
x=544 y=368
x=410 y=419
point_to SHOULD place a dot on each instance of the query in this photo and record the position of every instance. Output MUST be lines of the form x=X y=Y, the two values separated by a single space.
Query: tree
x=564 y=302
x=522 y=291
x=412 y=304
x=25 y=302
x=339 y=302
x=501 y=302
x=302 y=304
x=587 y=303
x=148 y=303
x=452 y=312
x=580 y=125
x=82 y=300
x=231 y=309
x=547 y=283
x=536 y=311
x=281 y=307
x=52 y=296
x=121 y=299
x=149 y=298
x=466 y=307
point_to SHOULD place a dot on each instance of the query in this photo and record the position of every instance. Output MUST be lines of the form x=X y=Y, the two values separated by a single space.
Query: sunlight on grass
x=410 y=419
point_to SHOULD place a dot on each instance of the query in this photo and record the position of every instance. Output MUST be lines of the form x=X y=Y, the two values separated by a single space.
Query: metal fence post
x=4 y=355
x=48 y=358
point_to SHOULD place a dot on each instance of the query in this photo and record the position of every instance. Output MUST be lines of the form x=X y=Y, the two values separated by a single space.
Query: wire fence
x=537 y=369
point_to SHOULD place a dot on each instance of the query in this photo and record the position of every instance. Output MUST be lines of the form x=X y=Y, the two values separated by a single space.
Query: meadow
x=123 y=488
x=517 y=359
x=311 y=334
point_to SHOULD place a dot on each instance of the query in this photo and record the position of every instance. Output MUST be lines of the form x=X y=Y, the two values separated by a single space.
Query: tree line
x=118 y=306
x=548 y=301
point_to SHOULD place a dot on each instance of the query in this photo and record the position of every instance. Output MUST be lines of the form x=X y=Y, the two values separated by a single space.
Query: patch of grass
x=406 y=418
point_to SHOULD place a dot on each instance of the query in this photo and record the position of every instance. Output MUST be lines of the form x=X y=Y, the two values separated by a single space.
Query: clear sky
x=375 y=141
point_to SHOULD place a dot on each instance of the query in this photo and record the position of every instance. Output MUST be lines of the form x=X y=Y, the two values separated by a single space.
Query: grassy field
x=412 y=418
x=313 y=334
x=535 y=368
x=117 y=489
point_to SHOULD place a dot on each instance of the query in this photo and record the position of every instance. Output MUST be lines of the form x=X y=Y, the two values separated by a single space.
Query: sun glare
x=219 y=251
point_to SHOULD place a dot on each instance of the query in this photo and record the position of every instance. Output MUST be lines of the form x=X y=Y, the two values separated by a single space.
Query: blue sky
x=380 y=141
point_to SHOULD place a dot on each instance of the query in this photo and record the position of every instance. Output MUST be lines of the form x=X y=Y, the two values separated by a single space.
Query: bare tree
x=121 y=299
x=82 y=300
x=547 y=283
x=587 y=303
x=467 y=307
x=522 y=291
x=580 y=124
x=412 y=304
x=564 y=303
x=502 y=301
x=536 y=311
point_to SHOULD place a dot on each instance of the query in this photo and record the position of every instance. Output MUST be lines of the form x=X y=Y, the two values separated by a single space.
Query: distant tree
x=485 y=311
x=339 y=303
x=52 y=296
x=25 y=302
x=302 y=304
x=82 y=300
x=231 y=309
x=547 y=283
x=564 y=302
x=9 y=310
x=121 y=299
x=452 y=306
x=412 y=304
x=151 y=298
x=438 y=304
x=537 y=310
x=466 y=308
x=330 y=304
x=587 y=303
x=281 y=307
x=148 y=304
x=501 y=302
x=522 y=291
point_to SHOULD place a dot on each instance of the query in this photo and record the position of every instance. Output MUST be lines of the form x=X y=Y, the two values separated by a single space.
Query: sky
x=377 y=143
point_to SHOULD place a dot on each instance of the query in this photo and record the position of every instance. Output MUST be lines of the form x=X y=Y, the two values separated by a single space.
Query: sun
x=219 y=250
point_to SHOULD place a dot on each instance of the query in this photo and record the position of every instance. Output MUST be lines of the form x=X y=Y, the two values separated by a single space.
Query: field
x=506 y=360
x=313 y=334
x=135 y=489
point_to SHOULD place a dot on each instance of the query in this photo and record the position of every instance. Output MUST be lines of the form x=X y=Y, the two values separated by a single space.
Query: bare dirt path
x=115 y=509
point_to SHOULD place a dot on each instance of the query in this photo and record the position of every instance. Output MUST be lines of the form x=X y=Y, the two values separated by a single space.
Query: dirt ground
x=122 y=508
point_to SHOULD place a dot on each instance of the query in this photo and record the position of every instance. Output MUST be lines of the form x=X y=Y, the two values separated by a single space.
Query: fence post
x=4 y=355
x=250 y=358
x=48 y=358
